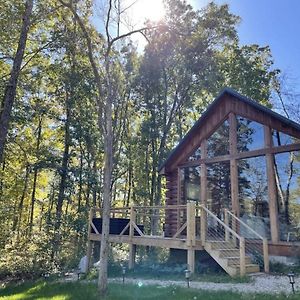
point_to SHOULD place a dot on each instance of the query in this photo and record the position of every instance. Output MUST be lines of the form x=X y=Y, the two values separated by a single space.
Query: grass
x=87 y=291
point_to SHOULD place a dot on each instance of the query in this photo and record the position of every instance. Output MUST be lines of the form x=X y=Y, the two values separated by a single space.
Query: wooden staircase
x=234 y=252
x=227 y=255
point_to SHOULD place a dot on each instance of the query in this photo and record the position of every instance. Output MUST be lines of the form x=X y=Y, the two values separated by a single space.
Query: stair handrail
x=242 y=222
x=221 y=222
x=264 y=240
x=241 y=239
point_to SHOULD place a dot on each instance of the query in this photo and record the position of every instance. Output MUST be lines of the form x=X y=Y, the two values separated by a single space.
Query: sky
x=264 y=22
x=270 y=22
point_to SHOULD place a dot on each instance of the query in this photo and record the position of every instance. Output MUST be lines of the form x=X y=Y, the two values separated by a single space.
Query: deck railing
x=228 y=233
x=214 y=230
x=255 y=245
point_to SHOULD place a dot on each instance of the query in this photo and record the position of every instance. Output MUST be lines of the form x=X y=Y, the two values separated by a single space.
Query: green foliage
x=280 y=268
x=27 y=260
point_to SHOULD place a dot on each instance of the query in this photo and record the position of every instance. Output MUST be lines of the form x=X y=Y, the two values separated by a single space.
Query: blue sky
x=264 y=22
x=270 y=22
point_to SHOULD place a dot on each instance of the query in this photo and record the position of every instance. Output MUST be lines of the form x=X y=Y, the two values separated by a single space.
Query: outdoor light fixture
x=187 y=273
x=123 y=273
x=291 y=276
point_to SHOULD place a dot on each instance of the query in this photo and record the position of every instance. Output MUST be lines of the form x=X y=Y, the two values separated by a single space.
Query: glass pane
x=219 y=194
x=196 y=155
x=253 y=195
x=218 y=142
x=190 y=187
x=281 y=139
x=250 y=135
x=287 y=172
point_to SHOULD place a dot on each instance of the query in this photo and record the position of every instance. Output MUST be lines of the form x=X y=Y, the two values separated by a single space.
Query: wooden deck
x=150 y=240
x=222 y=240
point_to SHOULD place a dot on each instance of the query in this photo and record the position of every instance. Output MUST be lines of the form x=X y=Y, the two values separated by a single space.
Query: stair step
x=250 y=268
x=229 y=252
x=236 y=260
x=221 y=245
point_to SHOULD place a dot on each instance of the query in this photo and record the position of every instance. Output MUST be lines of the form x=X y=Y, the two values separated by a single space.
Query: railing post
x=132 y=247
x=242 y=257
x=191 y=234
x=226 y=221
x=234 y=227
x=191 y=224
x=203 y=226
x=89 y=242
x=266 y=256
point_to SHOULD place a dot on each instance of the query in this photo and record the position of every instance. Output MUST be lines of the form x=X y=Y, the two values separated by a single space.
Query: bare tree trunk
x=2 y=179
x=35 y=175
x=80 y=181
x=11 y=87
x=21 y=204
x=107 y=194
x=95 y=184
x=63 y=178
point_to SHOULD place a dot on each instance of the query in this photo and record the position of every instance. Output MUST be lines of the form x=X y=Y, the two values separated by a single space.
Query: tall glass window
x=281 y=139
x=250 y=135
x=287 y=174
x=253 y=195
x=218 y=142
x=196 y=155
x=190 y=184
x=219 y=193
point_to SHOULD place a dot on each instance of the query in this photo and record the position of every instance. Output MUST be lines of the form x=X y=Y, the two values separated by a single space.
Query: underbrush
x=168 y=272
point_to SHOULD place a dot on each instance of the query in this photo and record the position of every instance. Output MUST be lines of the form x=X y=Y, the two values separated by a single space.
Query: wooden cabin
x=233 y=189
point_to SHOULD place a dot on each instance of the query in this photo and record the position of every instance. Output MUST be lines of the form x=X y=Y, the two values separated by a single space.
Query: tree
x=105 y=115
x=11 y=87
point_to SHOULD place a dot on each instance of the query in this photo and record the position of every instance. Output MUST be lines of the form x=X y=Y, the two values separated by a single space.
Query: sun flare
x=152 y=10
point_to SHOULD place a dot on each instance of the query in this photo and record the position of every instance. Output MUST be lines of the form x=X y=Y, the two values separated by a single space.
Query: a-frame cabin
x=233 y=189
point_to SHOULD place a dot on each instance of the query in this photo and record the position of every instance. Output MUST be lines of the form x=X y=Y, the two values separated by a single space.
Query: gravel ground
x=261 y=284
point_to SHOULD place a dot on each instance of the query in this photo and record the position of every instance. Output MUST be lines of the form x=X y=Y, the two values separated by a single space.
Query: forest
x=87 y=116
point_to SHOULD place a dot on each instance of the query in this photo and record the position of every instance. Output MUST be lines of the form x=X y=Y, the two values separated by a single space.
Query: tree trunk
x=63 y=177
x=35 y=175
x=11 y=87
x=80 y=181
x=108 y=169
x=21 y=204
x=2 y=179
x=94 y=182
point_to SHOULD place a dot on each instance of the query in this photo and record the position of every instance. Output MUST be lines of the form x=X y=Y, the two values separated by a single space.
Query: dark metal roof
x=240 y=97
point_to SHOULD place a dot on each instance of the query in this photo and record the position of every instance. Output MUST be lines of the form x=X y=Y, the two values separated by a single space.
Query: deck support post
x=178 y=197
x=191 y=234
x=132 y=252
x=273 y=209
x=191 y=260
x=234 y=179
x=132 y=247
x=203 y=192
x=233 y=164
x=89 y=242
